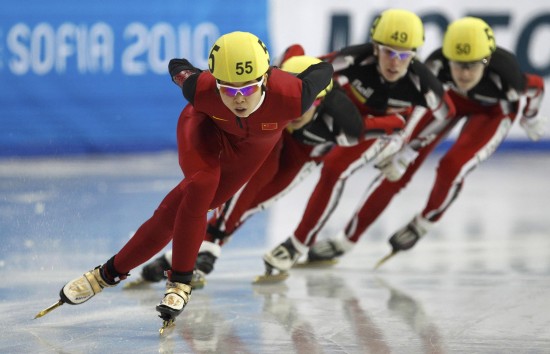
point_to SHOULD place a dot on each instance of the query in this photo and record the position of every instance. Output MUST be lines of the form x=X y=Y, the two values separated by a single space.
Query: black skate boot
x=326 y=252
x=205 y=261
x=206 y=258
x=406 y=237
x=155 y=271
x=203 y=266
x=152 y=272
x=280 y=259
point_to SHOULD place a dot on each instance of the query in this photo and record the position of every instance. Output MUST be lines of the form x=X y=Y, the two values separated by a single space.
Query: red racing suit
x=336 y=121
x=418 y=96
x=489 y=109
x=218 y=153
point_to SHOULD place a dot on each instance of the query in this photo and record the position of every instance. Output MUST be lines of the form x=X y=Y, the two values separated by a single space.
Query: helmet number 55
x=241 y=68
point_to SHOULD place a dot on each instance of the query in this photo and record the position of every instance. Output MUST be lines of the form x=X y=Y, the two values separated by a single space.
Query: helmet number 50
x=243 y=67
x=463 y=48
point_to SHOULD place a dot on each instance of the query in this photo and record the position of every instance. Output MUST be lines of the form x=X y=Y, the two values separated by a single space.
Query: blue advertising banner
x=86 y=77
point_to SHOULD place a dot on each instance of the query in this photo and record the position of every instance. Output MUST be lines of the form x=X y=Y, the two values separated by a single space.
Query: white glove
x=534 y=126
x=394 y=167
x=389 y=146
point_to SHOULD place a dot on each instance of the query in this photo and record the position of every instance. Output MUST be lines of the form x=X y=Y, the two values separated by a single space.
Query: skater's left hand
x=534 y=126
x=180 y=70
x=394 y=167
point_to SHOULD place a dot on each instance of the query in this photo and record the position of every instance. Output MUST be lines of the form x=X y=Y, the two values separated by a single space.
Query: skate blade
x=167 y=327
x=384 y=259
x=270 y=278
x=49 y=309
x=137 y=284
x=316 y=264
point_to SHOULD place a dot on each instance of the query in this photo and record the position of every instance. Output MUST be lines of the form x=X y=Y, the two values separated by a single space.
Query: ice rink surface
x=479 y=283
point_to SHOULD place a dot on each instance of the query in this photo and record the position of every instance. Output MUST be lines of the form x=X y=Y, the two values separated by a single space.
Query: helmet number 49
x=399 y=36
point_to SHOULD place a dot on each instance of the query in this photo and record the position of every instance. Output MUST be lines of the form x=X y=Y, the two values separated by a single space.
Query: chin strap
x=238 y=119
x=259 y=103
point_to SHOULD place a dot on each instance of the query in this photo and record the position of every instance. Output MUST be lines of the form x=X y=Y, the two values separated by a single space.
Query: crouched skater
x=236 y=113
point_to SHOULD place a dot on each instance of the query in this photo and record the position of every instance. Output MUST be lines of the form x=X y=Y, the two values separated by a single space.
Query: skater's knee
x=450 y=165
x=330 y=176
x=455 y=158
x=198 y=193
x=394 y=187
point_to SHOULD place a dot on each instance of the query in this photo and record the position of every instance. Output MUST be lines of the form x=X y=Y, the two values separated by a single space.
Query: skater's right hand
x=390 y=145
x=535 y=127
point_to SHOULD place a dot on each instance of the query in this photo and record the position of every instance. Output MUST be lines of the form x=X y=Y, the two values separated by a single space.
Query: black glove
x=178 y=65
x=180 y=70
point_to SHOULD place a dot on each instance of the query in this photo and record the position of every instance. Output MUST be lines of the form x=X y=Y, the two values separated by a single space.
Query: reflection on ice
x=478 y=283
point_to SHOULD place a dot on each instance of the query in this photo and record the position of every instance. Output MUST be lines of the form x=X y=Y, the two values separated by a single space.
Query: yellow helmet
x=399 y=28
x=468 y=39
x=300 y=63
x=238 y=57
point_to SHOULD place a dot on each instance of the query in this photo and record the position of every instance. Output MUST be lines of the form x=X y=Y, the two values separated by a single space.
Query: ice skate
x=325 y=263
x=325 y=253
x=384 y=259
x=406 y=237
x=278 y=262
x=199 y=279
x=322 y=254
x=271 y=276
x=152 y=272
x=203 y=265
x=49 y=309
x=80 y=290
x=209 y=252
x=138 y=283
x=177 y=295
